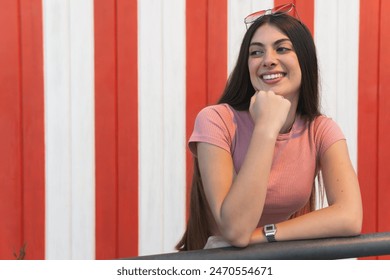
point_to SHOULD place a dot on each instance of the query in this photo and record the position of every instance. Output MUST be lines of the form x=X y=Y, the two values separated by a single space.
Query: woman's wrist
x=266 y=131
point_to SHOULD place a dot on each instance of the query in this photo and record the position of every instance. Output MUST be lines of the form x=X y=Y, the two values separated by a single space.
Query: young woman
x=258 y=151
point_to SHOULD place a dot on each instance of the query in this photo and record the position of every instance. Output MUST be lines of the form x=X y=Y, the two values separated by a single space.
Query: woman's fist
x=269 y=110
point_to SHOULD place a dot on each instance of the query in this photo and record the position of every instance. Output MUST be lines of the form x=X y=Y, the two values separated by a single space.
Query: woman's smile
x=271 y=78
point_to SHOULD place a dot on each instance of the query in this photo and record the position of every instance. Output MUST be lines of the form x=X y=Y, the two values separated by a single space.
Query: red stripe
x=33 y=128
x=374 y=117
x=106 y=129
x=127 y=128
x=11 y=236
x=206 y=60
x=196 y=69
x=216 y=49
x=305 y=10
x=383 y=123
x=368 y=110
x=116 y=127
x=21 y=128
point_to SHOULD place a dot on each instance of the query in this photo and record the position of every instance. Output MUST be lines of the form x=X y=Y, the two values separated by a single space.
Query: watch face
x=269 y=227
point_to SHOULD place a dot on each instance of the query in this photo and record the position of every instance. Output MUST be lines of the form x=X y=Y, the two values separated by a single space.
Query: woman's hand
x=269 y=110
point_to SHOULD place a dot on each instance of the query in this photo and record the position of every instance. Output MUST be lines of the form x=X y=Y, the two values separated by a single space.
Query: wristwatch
x=269 y=232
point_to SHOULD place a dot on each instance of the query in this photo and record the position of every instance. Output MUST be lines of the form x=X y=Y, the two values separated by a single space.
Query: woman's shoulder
x=214 y=124
x=216 y=113
x=217 y=109
x=323 y=123
x=326 y=131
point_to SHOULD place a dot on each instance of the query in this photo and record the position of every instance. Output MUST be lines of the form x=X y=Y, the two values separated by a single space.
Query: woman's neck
x=290 y=118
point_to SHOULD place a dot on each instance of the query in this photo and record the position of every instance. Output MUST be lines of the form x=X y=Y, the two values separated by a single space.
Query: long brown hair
x=237 y=93
x=198 y=226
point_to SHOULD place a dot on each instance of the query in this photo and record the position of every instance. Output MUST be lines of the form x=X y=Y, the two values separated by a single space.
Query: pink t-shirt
x=294 y=164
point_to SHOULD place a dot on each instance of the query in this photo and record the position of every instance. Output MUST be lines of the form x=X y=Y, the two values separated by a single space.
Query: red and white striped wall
x=98 y=98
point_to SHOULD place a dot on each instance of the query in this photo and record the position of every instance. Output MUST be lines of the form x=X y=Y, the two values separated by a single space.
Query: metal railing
x=365 y=245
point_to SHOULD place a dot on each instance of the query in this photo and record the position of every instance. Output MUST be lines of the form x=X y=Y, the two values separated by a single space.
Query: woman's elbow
x=353 y=224
x=356 y=226
x=239 y=242
x=237 y=238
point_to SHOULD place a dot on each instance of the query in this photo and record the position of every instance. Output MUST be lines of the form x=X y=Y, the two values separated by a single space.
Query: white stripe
x=69 y=123
x=174 y=90
x=83 y=132
x=161 y=124
x=337 y=40
x=150 y=133
x=57 y=127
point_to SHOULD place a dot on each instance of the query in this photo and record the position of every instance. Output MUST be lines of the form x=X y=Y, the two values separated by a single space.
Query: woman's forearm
x=327 y=222
x=243 y=205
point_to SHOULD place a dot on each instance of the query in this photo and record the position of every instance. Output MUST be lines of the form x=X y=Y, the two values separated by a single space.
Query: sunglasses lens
x=252 y=17
x=284 y=9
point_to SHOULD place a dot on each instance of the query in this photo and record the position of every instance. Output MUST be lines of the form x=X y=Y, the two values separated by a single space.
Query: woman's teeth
x=272 y=76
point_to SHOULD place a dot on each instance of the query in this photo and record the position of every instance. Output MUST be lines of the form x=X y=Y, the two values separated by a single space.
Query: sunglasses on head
x=276 y=11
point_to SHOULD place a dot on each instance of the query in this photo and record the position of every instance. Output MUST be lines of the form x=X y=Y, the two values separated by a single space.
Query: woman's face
x=273 y=63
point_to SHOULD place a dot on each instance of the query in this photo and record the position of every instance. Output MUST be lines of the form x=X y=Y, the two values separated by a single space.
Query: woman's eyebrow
x=277 y=42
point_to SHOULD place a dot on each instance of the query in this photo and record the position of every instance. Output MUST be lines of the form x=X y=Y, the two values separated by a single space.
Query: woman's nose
x=269 y=59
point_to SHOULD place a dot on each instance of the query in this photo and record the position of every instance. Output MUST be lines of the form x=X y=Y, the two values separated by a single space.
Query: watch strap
x=271 y=238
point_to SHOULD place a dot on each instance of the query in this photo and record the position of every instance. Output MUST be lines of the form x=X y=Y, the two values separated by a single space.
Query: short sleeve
x=213 y=125
x=326 y=133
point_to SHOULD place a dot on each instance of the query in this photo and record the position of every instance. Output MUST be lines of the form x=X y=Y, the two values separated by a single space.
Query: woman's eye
x=256 y=53
x=283 y=49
